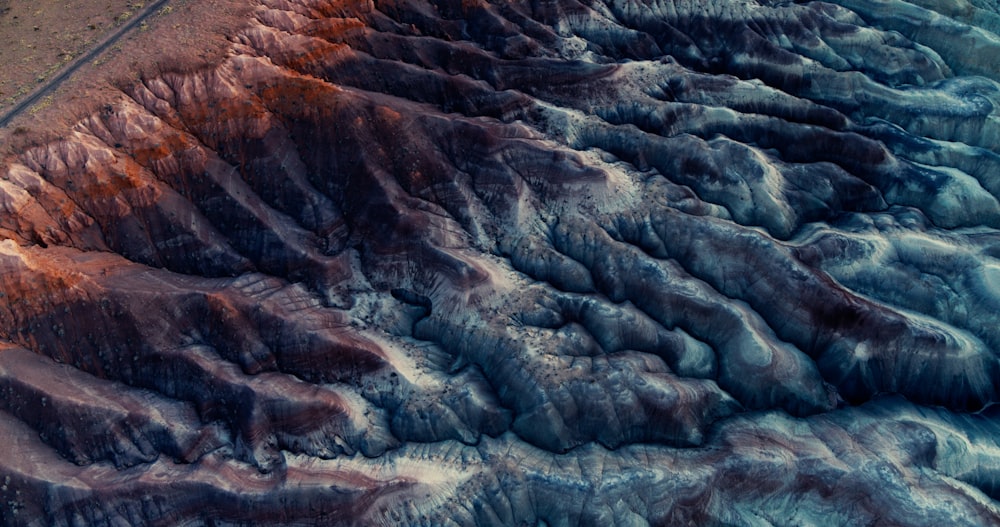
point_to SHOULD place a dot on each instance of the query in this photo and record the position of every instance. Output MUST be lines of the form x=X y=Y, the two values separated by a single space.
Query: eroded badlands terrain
x=571 y=262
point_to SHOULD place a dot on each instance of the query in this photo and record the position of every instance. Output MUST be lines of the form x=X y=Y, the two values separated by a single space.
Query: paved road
x=70 y=69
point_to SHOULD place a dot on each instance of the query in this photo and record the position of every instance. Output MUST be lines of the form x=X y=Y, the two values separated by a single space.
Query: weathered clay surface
x=488 y=262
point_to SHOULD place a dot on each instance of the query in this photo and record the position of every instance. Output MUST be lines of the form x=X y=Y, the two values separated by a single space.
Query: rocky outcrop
x=573 y=262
